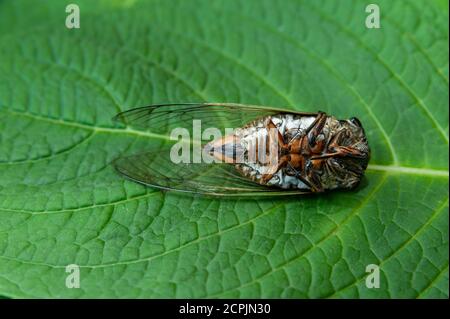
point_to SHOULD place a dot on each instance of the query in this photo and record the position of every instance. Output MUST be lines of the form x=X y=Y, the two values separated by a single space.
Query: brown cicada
x=234 y=149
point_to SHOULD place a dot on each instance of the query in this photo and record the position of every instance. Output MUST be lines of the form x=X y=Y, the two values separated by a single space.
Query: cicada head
x=346 y=155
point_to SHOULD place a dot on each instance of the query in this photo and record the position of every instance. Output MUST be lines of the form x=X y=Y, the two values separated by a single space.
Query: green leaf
x=62 y=203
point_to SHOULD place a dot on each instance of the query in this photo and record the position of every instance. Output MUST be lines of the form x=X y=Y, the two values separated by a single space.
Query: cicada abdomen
x=270 y=151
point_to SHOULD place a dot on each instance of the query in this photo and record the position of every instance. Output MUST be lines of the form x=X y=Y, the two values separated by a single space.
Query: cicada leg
x=309 y=142
x=339 y=150
x=293 y=161
x=317 y=125
x=316 y=128
x=284 y=160
x=300 y=176
x=342 y=151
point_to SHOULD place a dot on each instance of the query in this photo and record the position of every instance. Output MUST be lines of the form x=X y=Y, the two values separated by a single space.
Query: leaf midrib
x=397 y=169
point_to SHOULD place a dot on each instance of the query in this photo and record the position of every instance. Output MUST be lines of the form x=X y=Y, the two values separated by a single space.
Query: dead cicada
x=226 y=149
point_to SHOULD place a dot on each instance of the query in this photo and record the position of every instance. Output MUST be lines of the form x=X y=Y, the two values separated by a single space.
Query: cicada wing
x=162 y=119
x=156 y=169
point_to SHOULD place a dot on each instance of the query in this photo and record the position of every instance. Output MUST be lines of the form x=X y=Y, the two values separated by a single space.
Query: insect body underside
x=291 y=151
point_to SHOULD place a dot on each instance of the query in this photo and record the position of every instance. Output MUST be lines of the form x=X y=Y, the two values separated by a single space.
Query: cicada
x=263 y=151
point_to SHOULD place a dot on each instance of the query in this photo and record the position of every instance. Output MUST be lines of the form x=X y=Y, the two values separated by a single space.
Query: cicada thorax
x=293 y=151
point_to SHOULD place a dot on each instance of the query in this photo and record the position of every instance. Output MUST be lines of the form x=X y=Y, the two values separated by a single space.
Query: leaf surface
x=62 y=203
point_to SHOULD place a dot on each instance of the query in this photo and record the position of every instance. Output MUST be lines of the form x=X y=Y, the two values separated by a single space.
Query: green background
x=62 y=203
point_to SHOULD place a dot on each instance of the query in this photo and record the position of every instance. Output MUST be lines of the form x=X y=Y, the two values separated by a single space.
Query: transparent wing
x=162 y=119
x=155 y=169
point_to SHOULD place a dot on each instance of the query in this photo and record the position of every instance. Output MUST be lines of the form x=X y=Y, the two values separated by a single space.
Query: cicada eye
x=355 y=121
